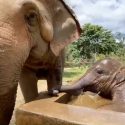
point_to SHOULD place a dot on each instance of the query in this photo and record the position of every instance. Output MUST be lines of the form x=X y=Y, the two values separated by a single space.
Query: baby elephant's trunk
x=74 y=89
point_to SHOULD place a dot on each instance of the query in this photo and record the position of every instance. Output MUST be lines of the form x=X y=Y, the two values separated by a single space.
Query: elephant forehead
x=102 y=64
x=6 y=9
x=98 y=66
x=107 y=65
x=110 y=63
x=105 y=62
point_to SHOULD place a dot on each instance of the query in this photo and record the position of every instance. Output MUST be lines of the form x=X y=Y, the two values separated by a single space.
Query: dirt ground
x=20 y=100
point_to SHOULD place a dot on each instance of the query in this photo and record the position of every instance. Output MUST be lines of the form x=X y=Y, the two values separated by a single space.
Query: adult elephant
x=33 y=34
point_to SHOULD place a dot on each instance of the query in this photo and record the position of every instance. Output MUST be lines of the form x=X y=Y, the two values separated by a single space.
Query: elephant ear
x=66 y=28
x=120 y=77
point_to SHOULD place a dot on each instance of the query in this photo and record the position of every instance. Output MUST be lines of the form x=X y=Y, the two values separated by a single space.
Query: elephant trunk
x=75 y=89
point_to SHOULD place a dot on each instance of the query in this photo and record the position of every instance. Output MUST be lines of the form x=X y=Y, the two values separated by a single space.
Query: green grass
x=73 y=73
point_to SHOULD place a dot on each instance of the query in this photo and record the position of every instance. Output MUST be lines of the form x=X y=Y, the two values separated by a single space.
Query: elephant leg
x=10 y=70
x=7 y=103
x=28 y=84
x=54 y=80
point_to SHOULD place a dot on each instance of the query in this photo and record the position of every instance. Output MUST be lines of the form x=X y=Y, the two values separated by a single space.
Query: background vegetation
x=95 y=43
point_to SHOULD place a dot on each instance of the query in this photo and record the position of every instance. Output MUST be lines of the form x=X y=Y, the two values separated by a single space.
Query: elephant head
x=51 y=24
x=29 y=31
x=106 y=77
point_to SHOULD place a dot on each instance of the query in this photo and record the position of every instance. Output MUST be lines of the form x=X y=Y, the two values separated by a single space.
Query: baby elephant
x=106 y=77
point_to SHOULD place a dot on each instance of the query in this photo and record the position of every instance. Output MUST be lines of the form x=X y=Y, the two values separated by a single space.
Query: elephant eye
x=31 y=18
x=100 y=71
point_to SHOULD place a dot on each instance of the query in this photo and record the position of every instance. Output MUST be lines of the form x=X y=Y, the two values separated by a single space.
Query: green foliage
x=94 y=40
x=100 y=57
x=73 y=73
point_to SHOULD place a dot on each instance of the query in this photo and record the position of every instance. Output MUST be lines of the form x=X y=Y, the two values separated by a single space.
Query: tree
x=94 y=40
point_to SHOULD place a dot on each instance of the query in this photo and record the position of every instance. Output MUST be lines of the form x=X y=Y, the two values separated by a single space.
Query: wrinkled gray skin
x=106 y=77
x=33 y=34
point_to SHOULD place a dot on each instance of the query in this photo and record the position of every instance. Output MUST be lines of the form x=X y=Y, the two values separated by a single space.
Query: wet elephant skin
x=105 y=77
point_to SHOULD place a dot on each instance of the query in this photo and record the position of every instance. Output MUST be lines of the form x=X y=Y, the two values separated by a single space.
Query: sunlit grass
x=73 y=73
